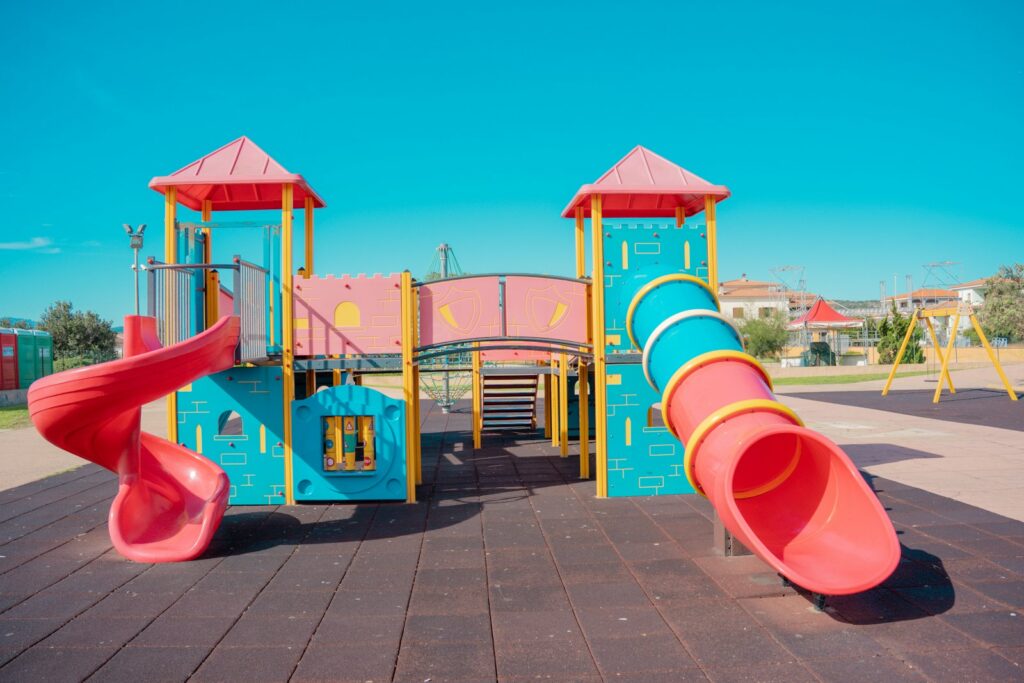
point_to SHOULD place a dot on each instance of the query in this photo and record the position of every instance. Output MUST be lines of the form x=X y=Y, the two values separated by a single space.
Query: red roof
x=821 y=315
x=237 y=177
x=645 y=185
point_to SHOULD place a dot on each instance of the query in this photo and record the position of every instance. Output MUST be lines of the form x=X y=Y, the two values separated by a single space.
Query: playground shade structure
x=170 y=500
x=788 y=493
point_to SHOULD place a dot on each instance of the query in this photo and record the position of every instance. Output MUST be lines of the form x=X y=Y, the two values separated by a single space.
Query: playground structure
x=962 y=309
x=265 y=371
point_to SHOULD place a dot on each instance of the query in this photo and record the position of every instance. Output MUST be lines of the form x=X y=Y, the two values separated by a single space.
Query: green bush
x=765 y=337
x=1002 y=314
x=891 y=331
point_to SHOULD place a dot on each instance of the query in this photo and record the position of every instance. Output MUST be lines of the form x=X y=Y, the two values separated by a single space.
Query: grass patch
x=12 y=417
x=842 y=379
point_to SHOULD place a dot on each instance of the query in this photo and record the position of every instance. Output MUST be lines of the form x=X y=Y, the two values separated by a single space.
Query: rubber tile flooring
x=983 y=407
x=508 y=569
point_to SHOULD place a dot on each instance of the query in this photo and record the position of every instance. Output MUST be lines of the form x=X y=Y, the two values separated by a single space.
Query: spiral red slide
x=170 y=500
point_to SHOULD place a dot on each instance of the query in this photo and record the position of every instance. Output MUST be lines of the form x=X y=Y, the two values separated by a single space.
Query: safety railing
x=176 y=297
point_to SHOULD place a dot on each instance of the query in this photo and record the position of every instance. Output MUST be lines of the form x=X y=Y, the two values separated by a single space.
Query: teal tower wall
x=644 y=458
x=253 y=458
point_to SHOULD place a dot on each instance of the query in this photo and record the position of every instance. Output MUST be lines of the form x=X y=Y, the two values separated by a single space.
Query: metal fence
x=177 y=295
x=250 y=292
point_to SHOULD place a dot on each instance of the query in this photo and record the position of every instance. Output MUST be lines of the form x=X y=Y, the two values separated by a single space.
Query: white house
x=972 y=292
x=745 y=299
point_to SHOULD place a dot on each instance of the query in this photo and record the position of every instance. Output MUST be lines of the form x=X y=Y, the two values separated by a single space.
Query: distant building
x=972 y=292
x=922 y=298
x=744 y=299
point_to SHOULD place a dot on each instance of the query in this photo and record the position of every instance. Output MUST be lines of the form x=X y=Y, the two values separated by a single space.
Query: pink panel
x=545 y=307
x=459 y=309
x=348 y=315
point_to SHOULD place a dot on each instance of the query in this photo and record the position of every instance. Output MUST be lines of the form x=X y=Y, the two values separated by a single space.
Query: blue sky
x=859 y=141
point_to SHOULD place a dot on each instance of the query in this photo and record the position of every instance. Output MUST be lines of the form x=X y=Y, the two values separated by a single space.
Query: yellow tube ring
x=654 y=284
x=701 y=361
x=718 y=417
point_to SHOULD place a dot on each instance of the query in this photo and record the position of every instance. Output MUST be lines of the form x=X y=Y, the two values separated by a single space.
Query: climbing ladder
x=509 y=399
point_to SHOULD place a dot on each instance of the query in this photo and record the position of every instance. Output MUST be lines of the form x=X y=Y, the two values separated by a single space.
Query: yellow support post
x=556 y=404
x=581 y=241
x=711 y=223
x=287 y=338
x=170 y=256
x=408 y=388
x=414 y=338
x=584 y=422
x=477 y=398
x=993 y=357
x=947 y=356
x=597 y=321
x=903 y=349
x=563 y=405
x=207 y=212
x=938 y=352
x=212 y=296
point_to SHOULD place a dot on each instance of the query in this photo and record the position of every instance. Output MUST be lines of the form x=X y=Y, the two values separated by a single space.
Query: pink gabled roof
x=237 y=177
x=821 y=315
x=645 y=185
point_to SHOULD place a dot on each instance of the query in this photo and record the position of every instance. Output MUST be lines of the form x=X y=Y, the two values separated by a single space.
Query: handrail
x=575 y=351
x=507 y=338
x=584 y=280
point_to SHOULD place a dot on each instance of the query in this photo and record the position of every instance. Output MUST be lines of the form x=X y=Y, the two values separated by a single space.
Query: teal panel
x=312 y=482
x=642 y=460
x=574 y=407
x=253 y=458
x=28 y=358
x=653 y=247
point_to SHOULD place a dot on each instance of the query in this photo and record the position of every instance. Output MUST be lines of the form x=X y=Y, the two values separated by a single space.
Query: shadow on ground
x=984 y=407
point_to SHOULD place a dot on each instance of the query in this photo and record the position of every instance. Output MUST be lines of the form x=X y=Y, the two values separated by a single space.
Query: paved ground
x=509 y=569
x=25 y=456
x=969 y=447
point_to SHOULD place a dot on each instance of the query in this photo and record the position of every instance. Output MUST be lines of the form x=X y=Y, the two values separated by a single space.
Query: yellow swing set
x=956 y=312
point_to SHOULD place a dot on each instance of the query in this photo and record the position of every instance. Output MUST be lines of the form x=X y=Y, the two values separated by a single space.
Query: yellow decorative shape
x=446 y=313
x=613 y=339
x=263 y=439
x=657 y=282
x=718 y=417
x=614 y=380
x=700 y=361
x=629 y=431
x=557 y=314
x=625 y=255
x=187 y=387
x=686 y=254
x=347 y=314
x=303 y=323
x=199 y=439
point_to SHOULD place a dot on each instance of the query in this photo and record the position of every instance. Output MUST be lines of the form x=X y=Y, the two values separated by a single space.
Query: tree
x=891 y=331
x=1002 y=314
x=78 y=334
x=765 y=337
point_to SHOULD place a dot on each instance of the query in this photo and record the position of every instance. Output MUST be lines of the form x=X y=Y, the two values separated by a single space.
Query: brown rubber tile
x=508 y=569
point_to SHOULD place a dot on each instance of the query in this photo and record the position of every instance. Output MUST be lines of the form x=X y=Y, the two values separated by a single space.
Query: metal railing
x=176 y=297
x=250 y=294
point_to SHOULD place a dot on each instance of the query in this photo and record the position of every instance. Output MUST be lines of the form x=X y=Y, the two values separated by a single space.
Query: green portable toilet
x=44 y=347
x=28 y=363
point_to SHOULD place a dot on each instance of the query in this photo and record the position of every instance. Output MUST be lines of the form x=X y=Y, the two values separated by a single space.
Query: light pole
x=135 y=242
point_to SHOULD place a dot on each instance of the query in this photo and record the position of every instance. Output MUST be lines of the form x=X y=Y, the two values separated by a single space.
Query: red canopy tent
x=821 y=316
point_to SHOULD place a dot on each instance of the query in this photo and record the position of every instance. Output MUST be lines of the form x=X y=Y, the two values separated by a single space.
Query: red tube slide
x=786 y=492
x=170 y=500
